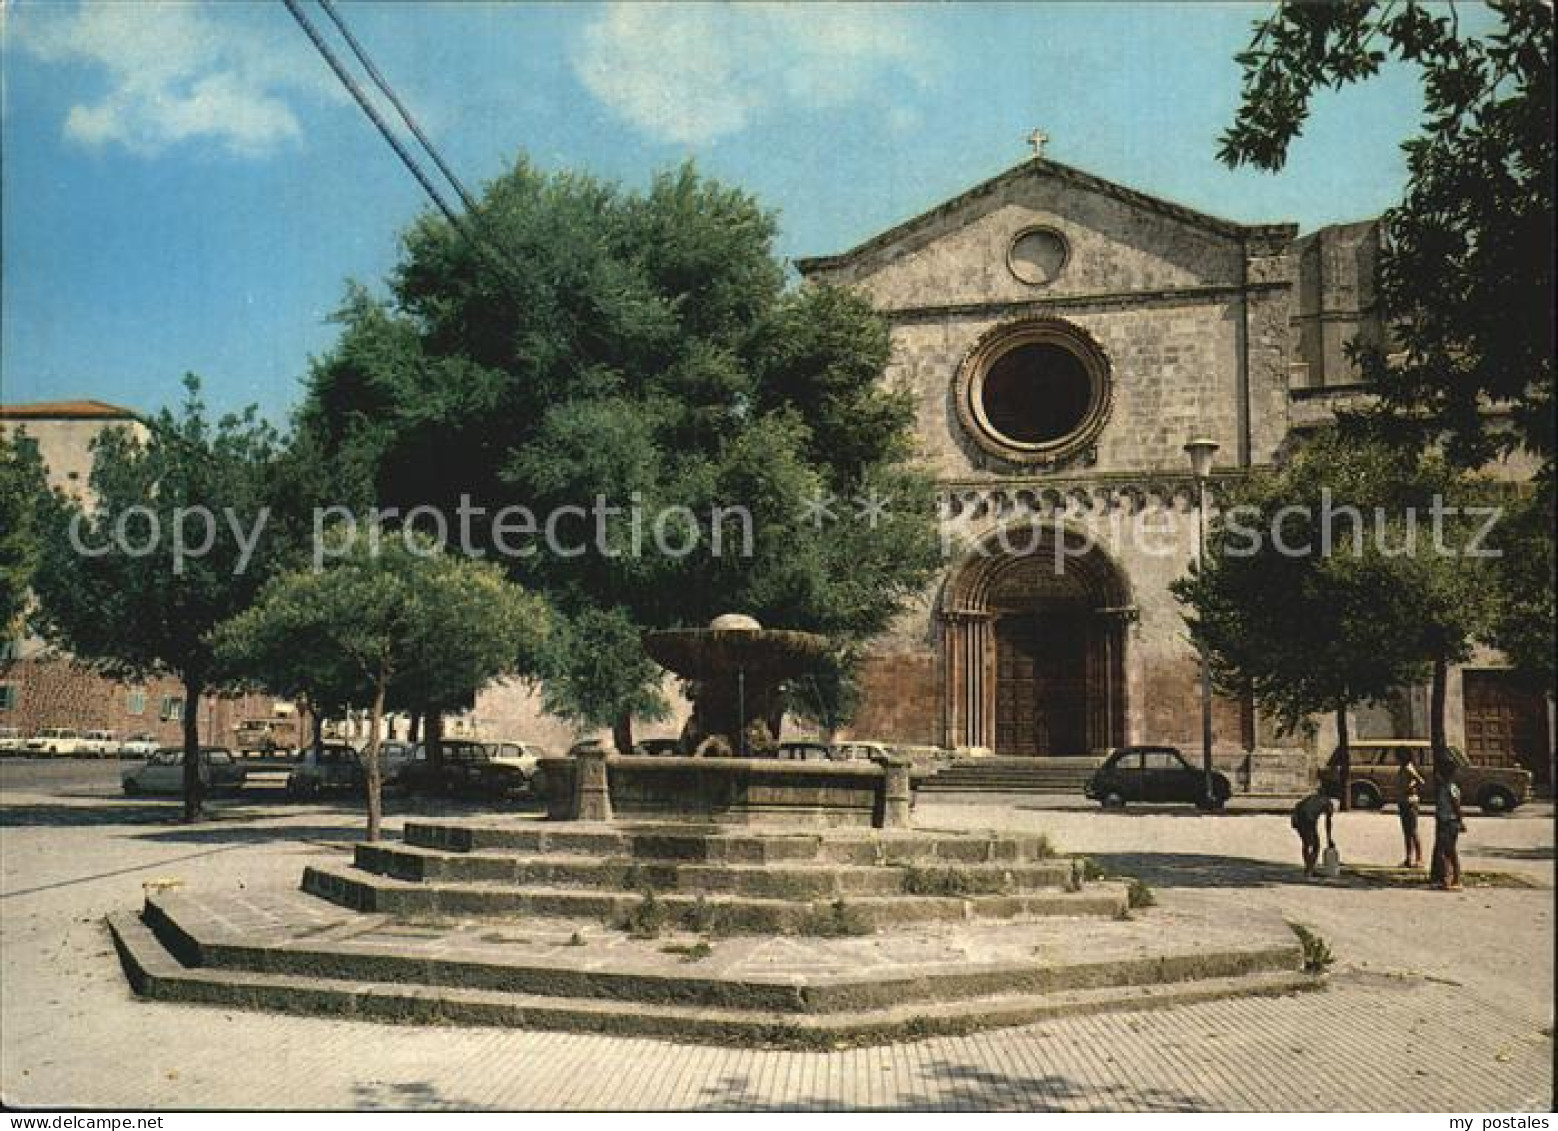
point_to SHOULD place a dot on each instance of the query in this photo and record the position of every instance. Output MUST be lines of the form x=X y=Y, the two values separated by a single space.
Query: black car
x=658 y=747
x=328 y=766
x=1152 y=774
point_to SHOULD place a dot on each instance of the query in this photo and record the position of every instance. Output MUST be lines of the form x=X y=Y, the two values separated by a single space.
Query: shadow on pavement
x=1203 y=870
x=959 y=1086
x=1534 y=852
x=402 y=1095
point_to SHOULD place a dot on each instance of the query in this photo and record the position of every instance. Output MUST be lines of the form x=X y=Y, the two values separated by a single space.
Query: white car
x=520 y=756
x=139 y=746
x=11 y=740
x=163 y=772
x=101 y=743
x=56 y=740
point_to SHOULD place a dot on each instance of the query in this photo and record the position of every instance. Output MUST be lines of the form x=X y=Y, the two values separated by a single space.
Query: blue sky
x=187 y=188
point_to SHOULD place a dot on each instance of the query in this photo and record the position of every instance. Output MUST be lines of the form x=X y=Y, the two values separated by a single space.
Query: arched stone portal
x=1034 y=638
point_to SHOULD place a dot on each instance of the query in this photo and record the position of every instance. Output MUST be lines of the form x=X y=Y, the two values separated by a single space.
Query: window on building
x=7 y=697
x=172 y=708
x=135 y=701
x=1035 y=391
x=8 y=648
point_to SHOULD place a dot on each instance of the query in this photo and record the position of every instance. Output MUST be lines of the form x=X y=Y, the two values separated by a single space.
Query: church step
x=717 y=844
x=362 y=891
x=777 y=881
x=155 y=973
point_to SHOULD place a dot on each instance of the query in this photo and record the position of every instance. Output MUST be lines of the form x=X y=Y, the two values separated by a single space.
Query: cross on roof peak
x=1037 y=139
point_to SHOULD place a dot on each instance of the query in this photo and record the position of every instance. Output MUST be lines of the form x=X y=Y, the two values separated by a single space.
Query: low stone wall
x=729 y=790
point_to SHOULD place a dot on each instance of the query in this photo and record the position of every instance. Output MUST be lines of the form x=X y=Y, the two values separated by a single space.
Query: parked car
x=1372 y=778
x=658 y=747
x=11 y=740
x=804 y=751
x=265 y=736
x=1154 y=774
x=520 y=756
x=393 y=758
x=474 y=767
x=327 y=767
x=100 y=743
x=163 y=772
x=142 y=745
x=56 y=740
x=860 y=752
x=489 y=769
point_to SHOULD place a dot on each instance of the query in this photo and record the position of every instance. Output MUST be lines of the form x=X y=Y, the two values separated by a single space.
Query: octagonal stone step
x=803 y=880
x=236 y=953
x=365 y=891
x=720 y=844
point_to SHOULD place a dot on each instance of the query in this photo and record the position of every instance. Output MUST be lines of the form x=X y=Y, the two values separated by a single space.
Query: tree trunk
x=194 y=791
x=370 y=758
x=622 y=733
x=1436 y=708
x=1344 y=759
x=433 y=728
x=414 y=727
x=318 y=720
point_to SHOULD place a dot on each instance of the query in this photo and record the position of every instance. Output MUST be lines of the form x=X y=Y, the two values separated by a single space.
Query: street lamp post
x=1201 y=450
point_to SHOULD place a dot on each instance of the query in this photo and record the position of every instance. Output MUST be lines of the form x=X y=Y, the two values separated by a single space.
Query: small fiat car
x=1152 y=774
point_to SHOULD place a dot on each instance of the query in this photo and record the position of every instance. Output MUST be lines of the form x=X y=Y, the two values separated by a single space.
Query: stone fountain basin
x=718 y=654
x=745 y=791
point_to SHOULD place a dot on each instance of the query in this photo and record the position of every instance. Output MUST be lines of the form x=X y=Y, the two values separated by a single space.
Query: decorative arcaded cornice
x=1015 y=500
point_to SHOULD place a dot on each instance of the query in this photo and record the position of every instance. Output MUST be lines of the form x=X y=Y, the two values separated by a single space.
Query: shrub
x=1317 y=952
x=648 y=918
x=703 y=917
x=838 y=920
x=1138 y=894
x=696 y=952
x=954 y=881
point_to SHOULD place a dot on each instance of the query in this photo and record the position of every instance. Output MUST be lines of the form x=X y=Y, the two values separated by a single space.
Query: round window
x=1037 y=256
x=1034 y=392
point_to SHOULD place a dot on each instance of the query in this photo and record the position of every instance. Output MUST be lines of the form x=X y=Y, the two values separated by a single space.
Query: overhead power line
x=372 y=111
x=400 y=107
x=494 y=255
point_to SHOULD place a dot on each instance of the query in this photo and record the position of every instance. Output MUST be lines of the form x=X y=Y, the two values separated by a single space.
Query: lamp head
x=1201 y=450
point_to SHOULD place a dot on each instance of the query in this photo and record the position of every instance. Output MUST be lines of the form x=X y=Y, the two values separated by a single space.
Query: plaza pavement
x=1438 y=1001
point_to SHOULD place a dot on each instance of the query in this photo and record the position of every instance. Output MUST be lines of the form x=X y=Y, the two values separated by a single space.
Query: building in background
x=40 y=687
x=1063 y=338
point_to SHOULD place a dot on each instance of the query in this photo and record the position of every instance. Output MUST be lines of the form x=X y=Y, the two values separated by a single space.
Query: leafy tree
x=389 y=618
x=115 y=587
x=1466 y=276
x=1524 y=615
x=21 y=487
x=640 y=349
x=1339 y=578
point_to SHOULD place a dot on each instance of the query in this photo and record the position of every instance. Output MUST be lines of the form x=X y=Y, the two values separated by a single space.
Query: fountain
x=734 y=671
x=969 y=929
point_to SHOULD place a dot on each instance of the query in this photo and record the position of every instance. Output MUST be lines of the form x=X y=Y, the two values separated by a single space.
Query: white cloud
x=175 y=73
x=693 y=73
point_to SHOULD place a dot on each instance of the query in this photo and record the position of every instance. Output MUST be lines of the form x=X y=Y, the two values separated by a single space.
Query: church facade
x=1064 y=338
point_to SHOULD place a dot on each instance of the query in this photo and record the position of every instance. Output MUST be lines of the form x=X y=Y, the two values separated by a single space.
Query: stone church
x=1064 y=338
